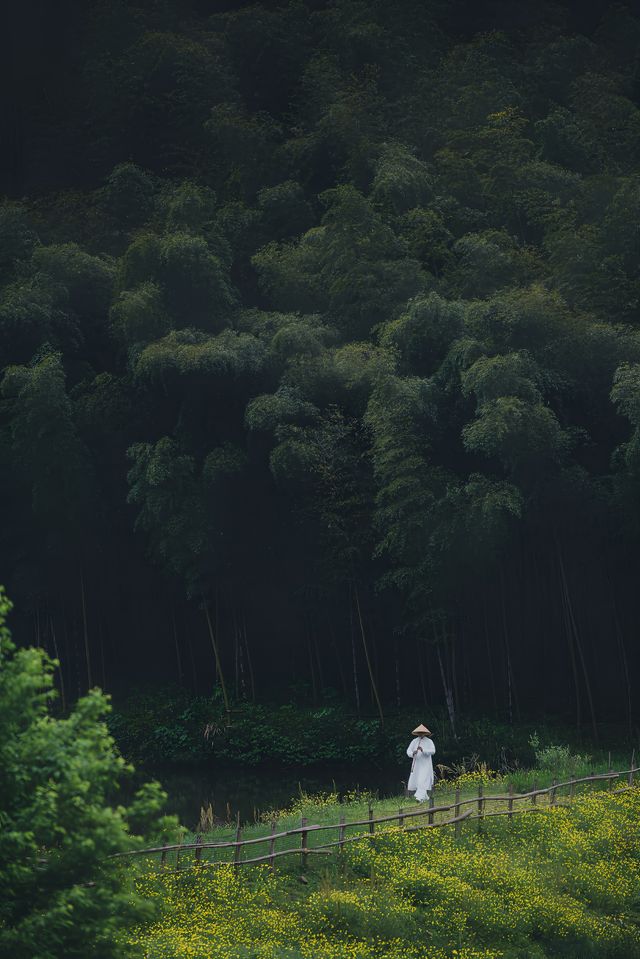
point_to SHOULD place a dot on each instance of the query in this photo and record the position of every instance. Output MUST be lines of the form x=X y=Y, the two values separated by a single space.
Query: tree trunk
x=236 y=654
x=576 y=635
x=85 y=631
x=374 y=688
x=505 y=632
x=572 y=655
x=216 y=654
x=623 y=653
x=354 y=662
x=448 y=692
x=343 y=680
x=63 y=698
x=176 y=645
x=425 y=698
x=314 y=640
x=102 y=661
x=192 y=660
x=314 y=685
x=489 y=657
x=249 y=660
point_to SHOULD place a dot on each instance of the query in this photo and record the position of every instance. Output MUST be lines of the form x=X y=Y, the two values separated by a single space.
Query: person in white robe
x=420 y=751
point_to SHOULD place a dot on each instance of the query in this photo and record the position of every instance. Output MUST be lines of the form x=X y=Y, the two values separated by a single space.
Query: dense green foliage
x=61 y=895
x=319 y=328
x=176 y=727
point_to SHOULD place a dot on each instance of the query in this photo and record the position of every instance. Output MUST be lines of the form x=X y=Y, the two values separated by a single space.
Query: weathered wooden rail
x=306 y=830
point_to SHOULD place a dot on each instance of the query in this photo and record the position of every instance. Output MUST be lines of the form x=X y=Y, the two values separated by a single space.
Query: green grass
x=560 y=884
x=327 y=809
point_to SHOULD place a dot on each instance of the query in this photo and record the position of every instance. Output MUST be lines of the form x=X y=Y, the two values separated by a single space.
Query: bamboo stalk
x=85 y=631
x=216 y=653
x=374 y=688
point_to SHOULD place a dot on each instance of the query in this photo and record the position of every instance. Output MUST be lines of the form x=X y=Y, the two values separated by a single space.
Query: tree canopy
x=320 y=343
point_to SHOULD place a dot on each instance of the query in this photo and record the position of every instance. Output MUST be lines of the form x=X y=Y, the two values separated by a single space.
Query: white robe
x=421 y=778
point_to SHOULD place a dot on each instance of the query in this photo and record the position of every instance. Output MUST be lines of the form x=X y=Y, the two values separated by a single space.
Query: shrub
x=62 y=894
x=557 y=759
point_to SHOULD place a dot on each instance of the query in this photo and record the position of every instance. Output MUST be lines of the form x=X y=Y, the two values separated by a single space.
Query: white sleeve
x=411 y=749
x=429 y=748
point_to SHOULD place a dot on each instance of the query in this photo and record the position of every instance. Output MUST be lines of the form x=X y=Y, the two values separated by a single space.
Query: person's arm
x=411 y=751
x=428 y=748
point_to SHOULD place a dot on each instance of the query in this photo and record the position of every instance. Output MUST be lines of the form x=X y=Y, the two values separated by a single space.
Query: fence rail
x=307 y=830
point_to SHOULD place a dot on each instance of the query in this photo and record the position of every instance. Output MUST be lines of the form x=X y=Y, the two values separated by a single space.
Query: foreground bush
x=550 y=885
x=61 y=895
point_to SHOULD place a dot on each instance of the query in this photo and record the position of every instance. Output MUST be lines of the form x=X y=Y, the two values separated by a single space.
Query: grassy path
x=326 y=810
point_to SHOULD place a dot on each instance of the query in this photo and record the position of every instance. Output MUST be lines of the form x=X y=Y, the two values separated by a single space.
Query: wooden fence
x=407 y=820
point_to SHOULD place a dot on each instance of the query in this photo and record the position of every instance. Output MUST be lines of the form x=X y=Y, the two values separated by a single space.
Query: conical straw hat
x=421 y=731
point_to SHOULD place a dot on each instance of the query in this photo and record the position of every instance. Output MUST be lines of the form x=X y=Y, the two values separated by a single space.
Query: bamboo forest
x=319 y=420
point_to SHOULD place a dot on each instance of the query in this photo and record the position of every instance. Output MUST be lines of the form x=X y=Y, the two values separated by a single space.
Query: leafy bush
x=173 y=725
x=62 y=892
x=558 y=759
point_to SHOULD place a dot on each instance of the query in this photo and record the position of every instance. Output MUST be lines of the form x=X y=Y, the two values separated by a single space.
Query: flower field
x=564 y=882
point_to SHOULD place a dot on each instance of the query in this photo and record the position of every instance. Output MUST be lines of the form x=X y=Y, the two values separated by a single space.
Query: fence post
x=510 y=802
x=401 y=816
x=552 y=796
x=610 y=771
x=163 y=858
x=633 y=759
x=371 y=825
x=178 y=857
x=198 y=848
x=238 y=849
x=572 y=789
x=304 y=843
x=341 y=833
x=534 y=798
x=432 y=803
x=272 y=844
x=456 y=812
x=480 y=805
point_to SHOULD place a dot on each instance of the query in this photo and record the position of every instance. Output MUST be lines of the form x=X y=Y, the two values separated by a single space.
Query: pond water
x=231 y=789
